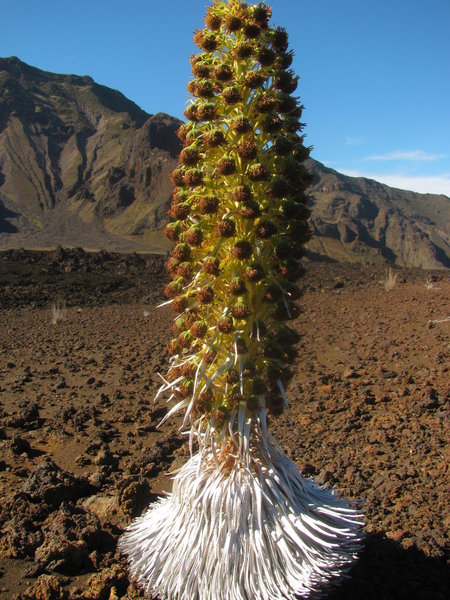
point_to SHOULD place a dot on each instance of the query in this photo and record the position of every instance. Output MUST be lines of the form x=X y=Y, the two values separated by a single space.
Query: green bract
x=240 y=216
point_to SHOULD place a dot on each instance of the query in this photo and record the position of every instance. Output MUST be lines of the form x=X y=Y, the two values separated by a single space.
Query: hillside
x=81 y=165
x=361 y=220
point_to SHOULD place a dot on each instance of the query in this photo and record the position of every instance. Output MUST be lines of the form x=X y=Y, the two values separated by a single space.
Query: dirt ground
x=80 y=453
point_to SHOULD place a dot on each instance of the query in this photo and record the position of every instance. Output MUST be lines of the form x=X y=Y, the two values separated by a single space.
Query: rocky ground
x=80 y=455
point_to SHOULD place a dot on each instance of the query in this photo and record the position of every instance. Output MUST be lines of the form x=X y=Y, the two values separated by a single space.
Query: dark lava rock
x=50 y=484
x=19 y=446
x=73 y=523
x=134 y=496
x=27 y=417
x=20 y=537
x=47 y=587
x=63 y=556
x=105 y=457
x=101 y=585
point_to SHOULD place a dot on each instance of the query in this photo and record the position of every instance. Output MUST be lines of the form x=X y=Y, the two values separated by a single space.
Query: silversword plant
x=240 y=523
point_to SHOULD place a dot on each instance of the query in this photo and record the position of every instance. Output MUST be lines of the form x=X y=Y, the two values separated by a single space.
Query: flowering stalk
x=241 y=522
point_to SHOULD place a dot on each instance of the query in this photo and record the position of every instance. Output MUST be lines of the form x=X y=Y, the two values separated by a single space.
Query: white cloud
x=354 y=141
x=418 y=155
x=424 y=184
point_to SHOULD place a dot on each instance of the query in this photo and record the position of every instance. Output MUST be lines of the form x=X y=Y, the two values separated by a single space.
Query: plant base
x=238 y=532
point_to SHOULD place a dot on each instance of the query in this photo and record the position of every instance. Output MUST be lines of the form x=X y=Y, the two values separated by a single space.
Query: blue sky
x=375 y=74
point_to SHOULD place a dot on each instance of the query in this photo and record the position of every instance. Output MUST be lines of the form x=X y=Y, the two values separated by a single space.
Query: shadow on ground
x=386 y=571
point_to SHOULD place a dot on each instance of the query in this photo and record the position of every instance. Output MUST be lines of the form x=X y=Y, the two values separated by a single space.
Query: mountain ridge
x=82 y=165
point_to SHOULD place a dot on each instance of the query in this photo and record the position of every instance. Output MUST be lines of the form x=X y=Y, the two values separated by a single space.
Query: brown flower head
x=286 y=82
x=240 y=310
x=225 y=325
x=205 y=295
x=254 y=272
x=231 y=377
x=299 y=230
x=185 y=339
x=172 y=231
x=231 y=95
x=266 y=102
x=249 y=369
x=254 y=79
x=223 y=72
x=173 y=289
x=211 y=265
x=205 y=111
x=172 y=265
x=237 y=286
x=287 y=103
x=242 y=193
x=261 y=14
x=233 y=23
x=184 y=270
x=247 y=149
x=206 y=396
x=265 y=229
x=191 y=112
x=220 y=416
x=272 y=123
x=199 y=329
x=203 y=88
x=301 y=152
x=242 y=250
x=275 y=405
x=210 y=357
x=183 y=130
x=250 y=210
x=226 y=166
x=208 y=205
x=225 y=228
x=189 y=156
x=242 y=50
x=177 y=176
x=257 y=172
x=199 y=67
x=181 y=252
x=283 y=145
x=288 y=209
x=252 y=31
x=280 y=40
x=173 y=347
x=279 y=187
x=285 y=59
x=266 y=57
x=287 y=336
x=283 y=249
x=212 y=19
x=241 y=124
x=241 y=346
x=179 y=195
x=179 y=304
x=185 y=388
x=180 y=211
x=206 y=40
x=193 y=177
x=236 y=395
x=214 y=138
x=194 y=236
